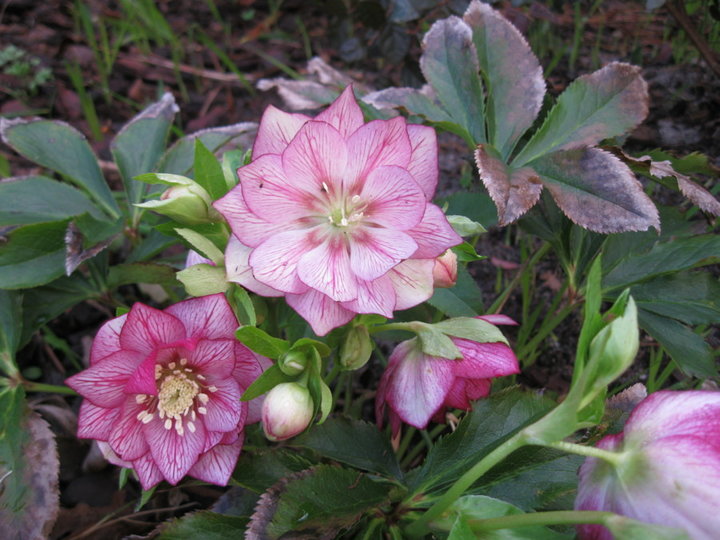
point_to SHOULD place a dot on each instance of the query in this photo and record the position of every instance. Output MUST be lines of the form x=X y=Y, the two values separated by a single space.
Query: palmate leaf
x=513 y=76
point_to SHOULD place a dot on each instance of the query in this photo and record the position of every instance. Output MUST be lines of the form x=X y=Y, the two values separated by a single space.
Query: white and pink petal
x=424 y=158
x=208 y=317
x=275 y=261
x=217 y=464
x=103 y=383
x=374 y=251
x=174 y=454
x=394 y=199
x=277 y=128
x=96 y=422
x=107 y=340
x=413 y=282
x=319 y=310
x=147 y=328
x=344 y=114
x=434 y=235
x=326 y=268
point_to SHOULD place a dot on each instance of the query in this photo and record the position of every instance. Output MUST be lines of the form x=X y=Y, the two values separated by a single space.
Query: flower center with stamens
x=177 y=393
x=348 y=212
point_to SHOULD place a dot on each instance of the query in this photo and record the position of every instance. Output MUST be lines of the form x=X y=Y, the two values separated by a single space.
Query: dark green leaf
x=664 y=258
x=138 y=146
x=261 y=342
x=449 y=63
x=208 y=171
x=39 y=199
x=693 y=298
x=206 y=525
x=690 y=351
x=597 y=191
x=32 y=255
x=352 y=442
x=179 y=157
x=320 y=501
x=462 y=300
x=258 y=470
x=603 y=104
x=10 y=330
x=29 y=468
x=476 y=206
x=492 y=421
x=421 y=102
x=513 y=75
x=125 y=274
x=62 y=148
x=269 y=379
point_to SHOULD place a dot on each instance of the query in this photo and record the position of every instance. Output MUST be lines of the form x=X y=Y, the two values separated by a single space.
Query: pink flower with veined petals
x=668 y=470
x=335 y=214
x=418 y=387
x=162 y=393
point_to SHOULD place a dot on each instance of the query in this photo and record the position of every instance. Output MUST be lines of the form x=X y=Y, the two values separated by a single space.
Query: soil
x=684 y=117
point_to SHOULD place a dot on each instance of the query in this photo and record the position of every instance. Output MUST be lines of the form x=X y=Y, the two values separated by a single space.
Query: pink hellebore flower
x=418 y=387
x=445 y=270
x=162 y=393
x=335 y=214
x=668 y=472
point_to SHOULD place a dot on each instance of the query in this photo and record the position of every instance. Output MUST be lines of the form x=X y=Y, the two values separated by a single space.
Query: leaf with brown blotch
x=450 y=65
x=603 y=104
x=421 y=101
x=514 y=77
x=29 y=467
x=696 y=193
x=597 y=191
x=75 y=254
x=514 y=191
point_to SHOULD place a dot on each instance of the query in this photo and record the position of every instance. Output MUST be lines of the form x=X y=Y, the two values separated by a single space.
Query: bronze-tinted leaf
x=449 y=63
x=597 y=191
x=514 y=191
x=421 y=101
x=696 y=193
x=29 y=469
x=603 y=104
x=514 y=78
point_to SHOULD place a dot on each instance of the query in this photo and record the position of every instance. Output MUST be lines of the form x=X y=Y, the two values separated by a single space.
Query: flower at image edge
x=668 y=472
x=335 y=214
x=162 y=393
x=417 y=387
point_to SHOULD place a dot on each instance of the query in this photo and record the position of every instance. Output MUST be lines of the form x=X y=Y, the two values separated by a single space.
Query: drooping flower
x=418 y=387
x=286 y=411
x=668 y=467
x=335 y=214
x=162 y=393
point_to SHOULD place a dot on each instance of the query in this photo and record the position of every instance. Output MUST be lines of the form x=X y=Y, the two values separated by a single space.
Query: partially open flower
x=287 y=411
x=162 y=392
x=445 y=270
x=185 y=201
x=418 y=387
x=335 y=214
x=667 y=467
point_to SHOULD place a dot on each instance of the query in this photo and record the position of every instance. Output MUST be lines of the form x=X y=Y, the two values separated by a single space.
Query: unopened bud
x=355 y=351
x=186 y=203
x=293 y=362
x=286 y=411
x=445 y=270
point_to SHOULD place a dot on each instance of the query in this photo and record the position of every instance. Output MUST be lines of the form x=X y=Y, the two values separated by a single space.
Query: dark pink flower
x=668 y=467
x=335 y=214
x=162 y=393
x=418 y=387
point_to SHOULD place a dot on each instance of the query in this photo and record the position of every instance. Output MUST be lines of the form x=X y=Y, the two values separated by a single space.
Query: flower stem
x=418 y=528
x=560 y=517
x=614 y=458
x=31 y=386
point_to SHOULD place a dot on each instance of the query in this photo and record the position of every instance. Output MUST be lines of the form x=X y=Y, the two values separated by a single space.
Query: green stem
x=560 y=517
x=334 y=372
x=613 y=458
x=545 y=330
x=500 y=302
x=31 y=386
x=405 y=442
x=419 y=527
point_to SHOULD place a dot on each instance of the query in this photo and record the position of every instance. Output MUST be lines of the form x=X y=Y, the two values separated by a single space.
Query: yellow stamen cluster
x=180 y=390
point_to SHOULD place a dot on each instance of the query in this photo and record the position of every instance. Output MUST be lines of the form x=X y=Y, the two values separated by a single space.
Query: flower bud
x=186 y=203
x=286 y=411
x=445 y=270
x=293 y=362
x=355 y=351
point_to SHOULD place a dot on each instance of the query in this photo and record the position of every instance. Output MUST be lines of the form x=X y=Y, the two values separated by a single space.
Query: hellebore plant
x=162 y=392
x=335 y=214
x=663 y=468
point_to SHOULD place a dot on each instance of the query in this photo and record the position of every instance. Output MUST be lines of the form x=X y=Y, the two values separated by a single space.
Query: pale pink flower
x=334 y=214
x=445 y=270
x=162 y=393
x=417 y=387
x=668 y=471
